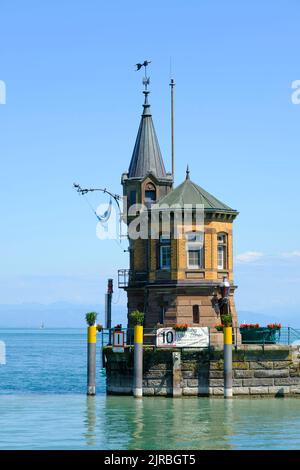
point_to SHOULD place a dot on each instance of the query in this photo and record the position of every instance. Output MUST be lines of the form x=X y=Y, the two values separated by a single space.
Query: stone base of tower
x=199 y=372
x=171 y=305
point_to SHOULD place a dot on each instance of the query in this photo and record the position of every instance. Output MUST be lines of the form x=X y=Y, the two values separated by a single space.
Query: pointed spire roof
x=190 y=193
x=146 y=157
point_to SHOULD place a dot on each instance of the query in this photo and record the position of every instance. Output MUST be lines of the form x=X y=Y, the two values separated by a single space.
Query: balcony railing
x=127 y=277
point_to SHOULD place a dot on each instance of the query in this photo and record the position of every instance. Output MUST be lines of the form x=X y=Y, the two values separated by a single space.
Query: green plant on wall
x=91 y=318
x=137 y=317
x=226 y=320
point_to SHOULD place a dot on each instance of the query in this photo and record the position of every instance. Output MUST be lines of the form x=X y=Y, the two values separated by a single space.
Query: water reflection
x=90 y=422
x=229 y=420
x=120 y=422
x=138 y=424
x=160 y=423
x=37 y=422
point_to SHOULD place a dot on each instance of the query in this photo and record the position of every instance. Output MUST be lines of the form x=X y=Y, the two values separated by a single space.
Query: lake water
x=43 y=406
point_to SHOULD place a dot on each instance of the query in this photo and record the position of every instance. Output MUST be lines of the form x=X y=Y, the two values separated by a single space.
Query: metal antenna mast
x=172 y=84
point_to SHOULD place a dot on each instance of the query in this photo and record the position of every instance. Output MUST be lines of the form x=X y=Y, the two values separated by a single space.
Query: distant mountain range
x=71 y=315
x=287 y=318
x=55 y=315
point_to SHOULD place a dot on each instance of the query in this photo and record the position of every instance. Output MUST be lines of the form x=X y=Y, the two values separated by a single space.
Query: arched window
x=222 y=251
x=194 y=248
x=150 y=194
x=164 y=252
x=196 y=314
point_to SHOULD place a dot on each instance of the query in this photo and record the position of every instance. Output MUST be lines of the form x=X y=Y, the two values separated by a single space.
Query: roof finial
x=146 y=82
x=187 y=177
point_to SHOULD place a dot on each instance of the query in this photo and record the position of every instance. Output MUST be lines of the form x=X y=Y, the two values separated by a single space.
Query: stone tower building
x=174 y=279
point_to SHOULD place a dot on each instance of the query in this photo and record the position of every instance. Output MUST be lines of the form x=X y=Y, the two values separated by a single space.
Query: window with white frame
x=194 y=248
x=222 y=251
x=164 y=252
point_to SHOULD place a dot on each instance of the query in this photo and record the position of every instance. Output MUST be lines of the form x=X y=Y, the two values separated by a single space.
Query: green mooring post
x=227 y=361
x=138 y=362
x=91 y=360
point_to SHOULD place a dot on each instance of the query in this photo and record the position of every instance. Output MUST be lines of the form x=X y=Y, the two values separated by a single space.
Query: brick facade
x=168 y=296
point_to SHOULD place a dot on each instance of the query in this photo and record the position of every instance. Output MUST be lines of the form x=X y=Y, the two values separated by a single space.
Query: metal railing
x=127 y=277
x=284 y=336
x=149 y=336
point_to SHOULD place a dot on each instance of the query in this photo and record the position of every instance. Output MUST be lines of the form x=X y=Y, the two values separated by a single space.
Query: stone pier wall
x=270 y=370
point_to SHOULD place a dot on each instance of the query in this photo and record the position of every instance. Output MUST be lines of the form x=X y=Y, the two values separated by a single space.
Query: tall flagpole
x=172 y=84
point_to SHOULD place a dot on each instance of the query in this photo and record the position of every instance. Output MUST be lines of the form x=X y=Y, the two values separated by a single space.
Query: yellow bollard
x=138 y=362
x=227 y=361
x=91 y=360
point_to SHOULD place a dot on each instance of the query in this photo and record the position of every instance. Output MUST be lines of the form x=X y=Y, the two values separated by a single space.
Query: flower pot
x=260 y=335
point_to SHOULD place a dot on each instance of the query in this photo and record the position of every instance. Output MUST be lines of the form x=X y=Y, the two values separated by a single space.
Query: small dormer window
x=150 y=194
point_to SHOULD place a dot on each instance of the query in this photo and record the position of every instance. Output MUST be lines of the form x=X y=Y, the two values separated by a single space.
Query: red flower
x=181 y=327
x=249 y=325
x=274 y=326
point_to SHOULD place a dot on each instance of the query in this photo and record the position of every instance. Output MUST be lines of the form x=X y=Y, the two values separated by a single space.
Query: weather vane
x=146 y=80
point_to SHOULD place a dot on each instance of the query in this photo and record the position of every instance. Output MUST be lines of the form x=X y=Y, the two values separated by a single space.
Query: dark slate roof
x=146 y=157
x=190 y=193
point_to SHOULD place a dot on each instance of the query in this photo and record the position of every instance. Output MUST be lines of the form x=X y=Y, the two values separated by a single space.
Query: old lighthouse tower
x=174 y=279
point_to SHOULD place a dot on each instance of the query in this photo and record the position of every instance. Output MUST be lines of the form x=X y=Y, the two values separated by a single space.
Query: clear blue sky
x=72 y=113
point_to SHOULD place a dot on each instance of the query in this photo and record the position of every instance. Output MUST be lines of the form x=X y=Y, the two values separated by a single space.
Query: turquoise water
x=43 y=406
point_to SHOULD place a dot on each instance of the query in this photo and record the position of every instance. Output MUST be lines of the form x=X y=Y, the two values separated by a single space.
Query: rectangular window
x=194 y=247
x=222 y=251
x=165 y=257
x=132 y=197
x=196 y=314
x=221 y=257
x=195 y=257
x=162 y=315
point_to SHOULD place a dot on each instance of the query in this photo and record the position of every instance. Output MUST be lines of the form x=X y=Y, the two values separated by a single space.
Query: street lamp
x=224 y=301
x=225 y=288
x=221 y=305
